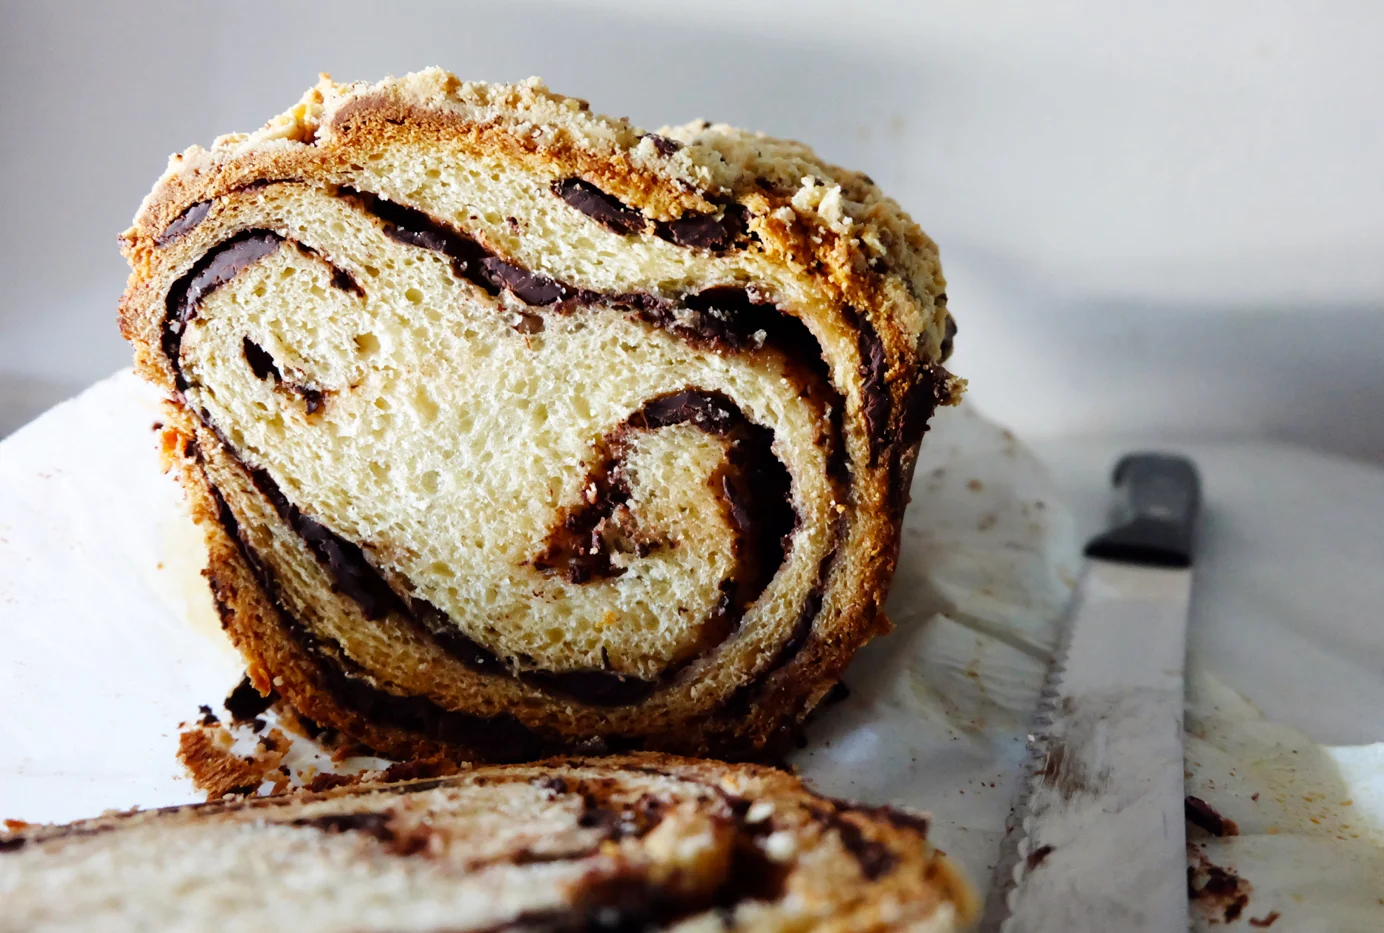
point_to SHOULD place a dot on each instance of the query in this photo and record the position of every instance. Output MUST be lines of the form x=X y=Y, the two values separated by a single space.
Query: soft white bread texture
x=640 y=843
x=516 y=429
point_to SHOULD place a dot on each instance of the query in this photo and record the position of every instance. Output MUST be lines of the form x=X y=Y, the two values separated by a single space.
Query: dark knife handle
x=1153 y=521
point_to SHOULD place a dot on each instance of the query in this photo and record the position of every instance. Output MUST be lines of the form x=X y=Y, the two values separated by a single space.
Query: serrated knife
x=1097 y=841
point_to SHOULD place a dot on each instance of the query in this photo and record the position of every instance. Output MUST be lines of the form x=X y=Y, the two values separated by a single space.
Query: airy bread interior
x=448 y=441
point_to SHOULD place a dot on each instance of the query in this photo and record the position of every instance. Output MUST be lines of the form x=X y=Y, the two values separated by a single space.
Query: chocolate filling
x=596 y=688
x=876 y=402
x=629 y=901
x=750 y=874
x=244 y=703
x=220 y=264
x=470 y=260
x=261 y=363
x=756 y=489
x=344 y=281
x=533 y=288
x=313 y=397
x=736 y=320
x=874 y=858
x=259 y=183
x=503 y=737
x=607 y=210
x=664 y=145
x=920 y=402
x=341 y=279
x=741 y=702
x=623 y=903
x=723 y=319
x=182 y=224
x=949 y=335
x=921 y=399
x=452 y=640
x=215 y=268
x=354 y=576
x=579 y=549
x=713 y=232
x=371 y=824
x=900 y=818
x=812 y=605
x=263 y=366
x=726 y=319
x=615 y=819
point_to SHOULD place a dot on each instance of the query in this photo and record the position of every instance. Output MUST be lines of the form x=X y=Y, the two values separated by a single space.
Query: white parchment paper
x=108 y=640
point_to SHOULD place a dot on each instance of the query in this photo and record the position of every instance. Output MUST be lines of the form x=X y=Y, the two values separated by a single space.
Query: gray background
x=1164 y=220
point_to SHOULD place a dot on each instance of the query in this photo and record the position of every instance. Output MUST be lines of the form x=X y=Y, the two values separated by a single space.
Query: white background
x=1163 y=220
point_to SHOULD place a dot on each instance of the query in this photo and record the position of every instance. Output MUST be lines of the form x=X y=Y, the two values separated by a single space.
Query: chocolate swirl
x=590 y=540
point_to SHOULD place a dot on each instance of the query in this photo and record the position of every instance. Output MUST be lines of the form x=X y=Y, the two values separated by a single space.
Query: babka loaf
x=640 y=843
x=517 y=430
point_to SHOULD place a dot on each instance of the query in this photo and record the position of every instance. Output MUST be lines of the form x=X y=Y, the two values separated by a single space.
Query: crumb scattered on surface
x=1220 y=894
x=205 y=752
x=212 y=751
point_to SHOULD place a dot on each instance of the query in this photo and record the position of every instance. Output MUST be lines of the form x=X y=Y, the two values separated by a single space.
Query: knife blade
x=1097 y=840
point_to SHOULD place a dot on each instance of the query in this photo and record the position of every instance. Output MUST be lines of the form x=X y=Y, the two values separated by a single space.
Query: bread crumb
x=205 y=751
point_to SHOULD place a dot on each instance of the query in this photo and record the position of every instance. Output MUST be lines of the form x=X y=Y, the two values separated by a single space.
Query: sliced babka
x=641 y=843
x=517 y=429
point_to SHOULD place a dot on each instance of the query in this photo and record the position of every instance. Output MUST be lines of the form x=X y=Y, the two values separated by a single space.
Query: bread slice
x=635 y=843
x=516 y=429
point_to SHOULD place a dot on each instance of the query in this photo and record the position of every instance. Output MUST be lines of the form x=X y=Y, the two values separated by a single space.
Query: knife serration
x=1015 y=847
x=1097 y=840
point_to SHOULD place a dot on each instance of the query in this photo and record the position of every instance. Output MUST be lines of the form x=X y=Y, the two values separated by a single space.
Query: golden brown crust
x=876 y=274
x=319 y=138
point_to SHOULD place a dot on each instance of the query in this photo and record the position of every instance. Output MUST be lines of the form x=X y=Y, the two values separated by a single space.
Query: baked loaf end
x=517 y=429
x=637 y=843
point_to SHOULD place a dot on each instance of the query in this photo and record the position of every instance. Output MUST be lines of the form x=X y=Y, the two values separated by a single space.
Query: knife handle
x=1153 y=520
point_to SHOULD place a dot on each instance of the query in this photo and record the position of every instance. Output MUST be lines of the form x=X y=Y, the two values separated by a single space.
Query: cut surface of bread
x=516 y=429
x=635 y=843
